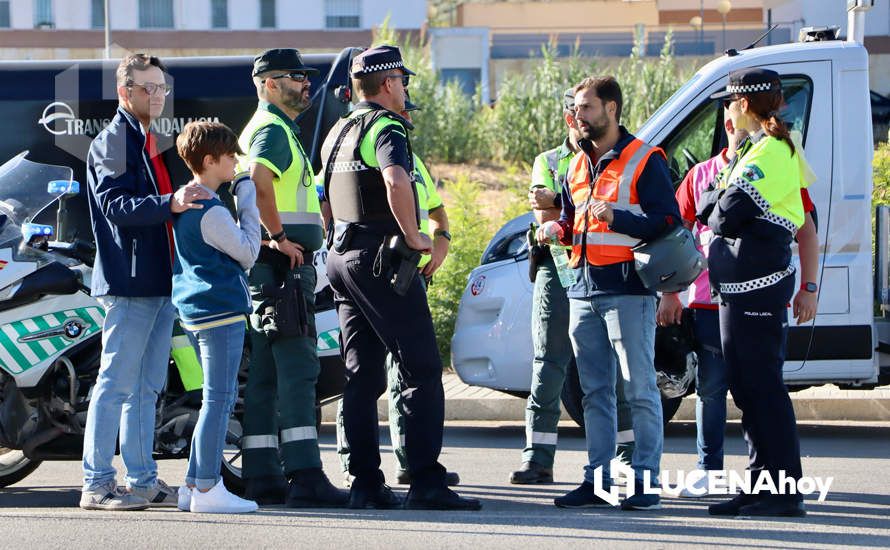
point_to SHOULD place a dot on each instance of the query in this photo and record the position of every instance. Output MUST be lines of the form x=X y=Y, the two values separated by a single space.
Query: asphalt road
x=41 y=512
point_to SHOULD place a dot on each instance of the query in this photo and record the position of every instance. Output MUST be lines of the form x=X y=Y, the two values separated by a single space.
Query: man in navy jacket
x=131 y=203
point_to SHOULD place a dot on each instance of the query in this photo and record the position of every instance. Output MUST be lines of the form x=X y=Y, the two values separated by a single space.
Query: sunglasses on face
x=405 y=78
x=151 y=88
x=295 y=76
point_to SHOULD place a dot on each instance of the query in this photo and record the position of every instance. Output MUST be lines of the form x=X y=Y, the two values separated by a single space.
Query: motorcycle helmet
x=676 y=362
x=669 y=263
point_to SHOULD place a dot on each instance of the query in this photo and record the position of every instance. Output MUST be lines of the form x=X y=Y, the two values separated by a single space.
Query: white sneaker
x=219 y=500
x=699 y=488
x=184 y=498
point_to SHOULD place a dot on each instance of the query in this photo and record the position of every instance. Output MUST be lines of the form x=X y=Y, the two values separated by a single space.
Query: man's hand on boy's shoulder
x=185 y=197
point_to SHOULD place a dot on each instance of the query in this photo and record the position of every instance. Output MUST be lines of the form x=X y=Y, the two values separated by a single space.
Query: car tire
x=572 y=396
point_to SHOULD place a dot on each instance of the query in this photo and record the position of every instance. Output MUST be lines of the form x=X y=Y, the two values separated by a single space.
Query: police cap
x=280 y=59
x=380 y=58
x=749 y=81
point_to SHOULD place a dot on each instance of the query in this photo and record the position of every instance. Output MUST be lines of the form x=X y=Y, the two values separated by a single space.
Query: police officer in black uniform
x=367 y=163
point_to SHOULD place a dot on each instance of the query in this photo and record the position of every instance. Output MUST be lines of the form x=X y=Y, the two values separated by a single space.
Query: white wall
x=193 y=14
x=404 y=14
x=823 y=13
x=299 y=14
x=21 y=14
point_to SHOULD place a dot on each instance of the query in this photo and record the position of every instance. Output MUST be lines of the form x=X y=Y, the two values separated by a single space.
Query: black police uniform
x=374 y=318
x=754 y=216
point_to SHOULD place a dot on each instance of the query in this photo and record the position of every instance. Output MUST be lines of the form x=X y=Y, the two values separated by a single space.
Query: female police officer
x=755 y=213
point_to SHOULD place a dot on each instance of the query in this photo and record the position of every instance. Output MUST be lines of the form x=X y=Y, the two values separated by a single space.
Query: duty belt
x=756 y=284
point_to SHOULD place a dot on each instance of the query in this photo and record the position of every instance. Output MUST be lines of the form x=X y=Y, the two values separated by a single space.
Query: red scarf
x=162 y=176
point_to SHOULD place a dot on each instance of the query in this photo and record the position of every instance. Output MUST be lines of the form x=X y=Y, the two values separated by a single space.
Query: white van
x=825 y=86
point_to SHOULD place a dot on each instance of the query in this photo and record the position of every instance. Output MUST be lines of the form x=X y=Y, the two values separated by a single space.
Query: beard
x=596 y=129
x=298 y=101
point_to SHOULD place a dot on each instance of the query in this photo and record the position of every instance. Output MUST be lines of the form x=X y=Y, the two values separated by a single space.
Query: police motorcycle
x=50 y=337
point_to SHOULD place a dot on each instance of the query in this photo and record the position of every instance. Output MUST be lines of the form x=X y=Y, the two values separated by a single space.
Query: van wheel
x=15 y=466
x=572 y=396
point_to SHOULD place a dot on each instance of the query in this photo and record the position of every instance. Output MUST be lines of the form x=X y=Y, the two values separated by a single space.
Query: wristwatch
x=809 y=287
x=442 y=232
x=279 y=237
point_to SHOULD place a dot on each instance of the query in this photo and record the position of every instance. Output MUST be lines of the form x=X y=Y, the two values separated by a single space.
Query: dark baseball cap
x=749 y=81
x=280 y=59
x=380 y=58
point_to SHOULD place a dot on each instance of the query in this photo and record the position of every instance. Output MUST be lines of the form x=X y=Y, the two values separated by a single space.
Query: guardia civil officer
x=755 y=213
x=367 y=161
x=279 y=402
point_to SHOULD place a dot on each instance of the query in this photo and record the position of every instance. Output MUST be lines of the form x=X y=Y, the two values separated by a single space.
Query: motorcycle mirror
x=69 y=188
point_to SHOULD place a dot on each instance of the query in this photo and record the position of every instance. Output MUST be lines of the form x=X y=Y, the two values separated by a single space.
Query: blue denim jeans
x=711 y=385
x=132 y=371
x=220 y=352
x=614 y=334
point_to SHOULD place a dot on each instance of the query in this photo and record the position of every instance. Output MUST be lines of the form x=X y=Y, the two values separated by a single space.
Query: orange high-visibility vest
x=616 y=184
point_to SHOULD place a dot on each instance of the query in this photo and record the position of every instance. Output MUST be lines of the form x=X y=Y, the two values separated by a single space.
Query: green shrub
x=881 y=167
x=472 y=230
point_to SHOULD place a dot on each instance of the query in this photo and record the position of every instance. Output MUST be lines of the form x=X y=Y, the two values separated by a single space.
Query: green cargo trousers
x=553 y=351
x=279 y=402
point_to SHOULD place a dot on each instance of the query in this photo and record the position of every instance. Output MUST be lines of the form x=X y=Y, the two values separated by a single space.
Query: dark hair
x=205 y=138
x=606 y=89
x=136 y=62
x=764 y=107
x=368 y=85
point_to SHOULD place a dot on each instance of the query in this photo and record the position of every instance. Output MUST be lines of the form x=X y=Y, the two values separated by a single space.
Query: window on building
x=156 y=14
x=219 y=14
x=97 y=16
x=43 y=14
x=4 y=14
x=267 y=14
x=342 y=14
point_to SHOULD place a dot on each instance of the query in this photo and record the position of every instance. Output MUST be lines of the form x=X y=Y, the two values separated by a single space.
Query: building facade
x=75 y=28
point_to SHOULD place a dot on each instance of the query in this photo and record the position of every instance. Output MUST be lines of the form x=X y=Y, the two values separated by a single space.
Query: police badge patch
x=752 y=173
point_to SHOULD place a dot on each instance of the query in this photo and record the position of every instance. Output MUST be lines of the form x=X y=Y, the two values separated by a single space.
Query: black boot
x=266 y=490
x=311 y=488
x=776 y=507
x=403 y=477
x=731 y=507
x=531 y=472
x=373 y=493
x=440 y=498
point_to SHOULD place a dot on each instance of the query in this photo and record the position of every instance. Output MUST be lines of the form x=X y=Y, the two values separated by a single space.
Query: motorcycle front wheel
x=15 y=466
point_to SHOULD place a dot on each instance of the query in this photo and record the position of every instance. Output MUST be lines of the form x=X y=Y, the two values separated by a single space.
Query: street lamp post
x=724 y=7
x=696 y=23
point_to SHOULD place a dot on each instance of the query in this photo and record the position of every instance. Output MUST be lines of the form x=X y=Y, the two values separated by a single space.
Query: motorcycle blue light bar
x=31 y=230
x=63 y=187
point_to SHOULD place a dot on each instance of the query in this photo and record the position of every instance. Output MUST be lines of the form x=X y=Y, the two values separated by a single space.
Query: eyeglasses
x=405 y=78
x=295 y=76
x=151 y=88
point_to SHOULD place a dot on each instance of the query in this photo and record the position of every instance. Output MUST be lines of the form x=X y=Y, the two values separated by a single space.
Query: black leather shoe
x=404 y=478
x=266 y=490
x=376 y=496
x=775 y=507
x=732 y=506
x=441 y=498
x=531 y=472
x=310 y=488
